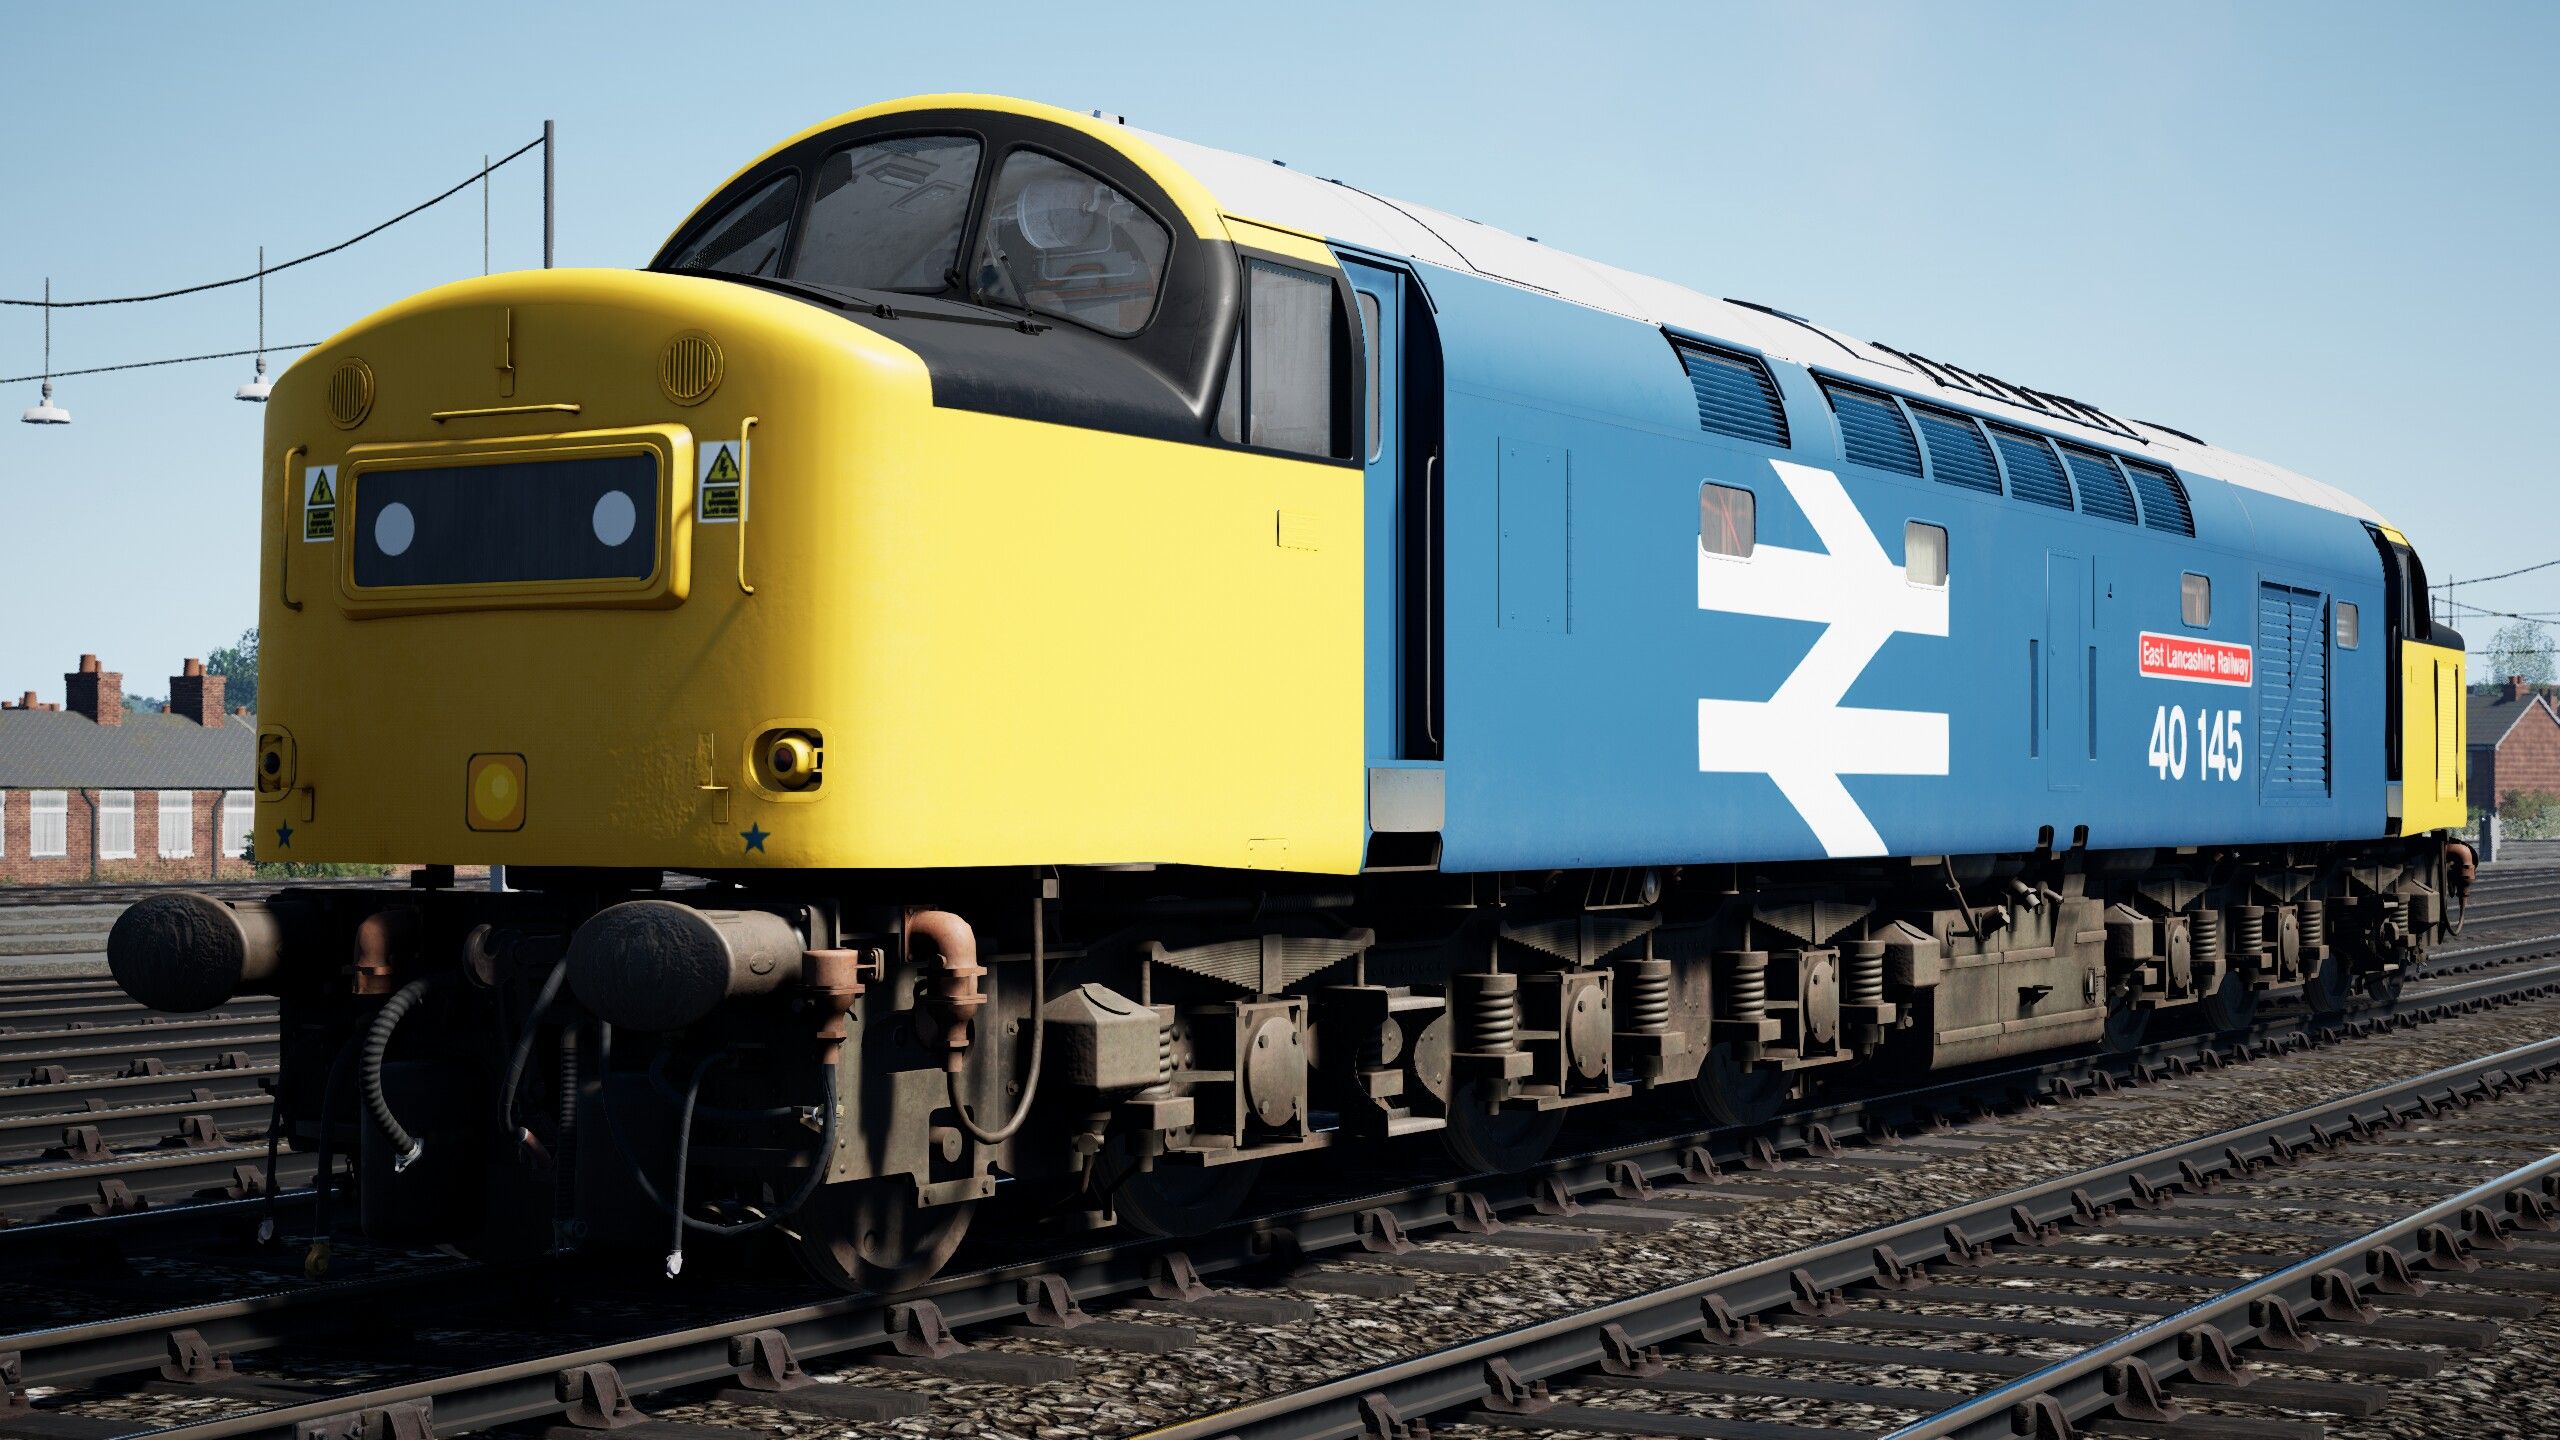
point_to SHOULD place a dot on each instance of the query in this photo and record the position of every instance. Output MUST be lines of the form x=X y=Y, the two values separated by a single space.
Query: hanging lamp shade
x=46 y=412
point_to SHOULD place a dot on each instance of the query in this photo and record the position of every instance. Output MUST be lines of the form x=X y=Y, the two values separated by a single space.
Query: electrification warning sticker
x=320 y=502
x=720 y=482
x=2188 y=657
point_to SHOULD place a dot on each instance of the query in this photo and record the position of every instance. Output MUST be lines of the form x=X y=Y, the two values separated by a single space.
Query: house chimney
x=2517 y=689
x=96 y=693
x=29 y=703
x=196 y=695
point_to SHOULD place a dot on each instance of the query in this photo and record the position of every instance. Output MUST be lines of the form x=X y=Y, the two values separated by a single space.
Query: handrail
x=286 y=539
x=746 y=478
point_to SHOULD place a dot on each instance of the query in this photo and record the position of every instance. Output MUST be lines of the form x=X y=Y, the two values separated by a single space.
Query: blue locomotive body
x=1618 y=695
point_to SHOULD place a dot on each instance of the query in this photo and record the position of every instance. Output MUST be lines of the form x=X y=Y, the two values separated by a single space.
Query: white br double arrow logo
x=1802 y=737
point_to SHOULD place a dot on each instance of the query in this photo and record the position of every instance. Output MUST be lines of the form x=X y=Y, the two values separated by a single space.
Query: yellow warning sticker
x=720 y=480
x=320 y=502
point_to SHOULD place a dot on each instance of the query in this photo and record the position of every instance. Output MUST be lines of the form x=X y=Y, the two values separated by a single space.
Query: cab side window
x=1282 y=375
x=1060 y=241
x=749 y=238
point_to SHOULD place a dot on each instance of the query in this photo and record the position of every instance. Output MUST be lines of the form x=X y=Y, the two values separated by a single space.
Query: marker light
x=790 y=759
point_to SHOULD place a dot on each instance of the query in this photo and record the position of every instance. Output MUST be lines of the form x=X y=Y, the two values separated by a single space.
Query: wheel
x=1729 y=1092
x=1183 y=1199
x=2383 y=986
x=2232 y=1005
x=871 y=1235
x=1485 y=1139
x=2128 y=1024
x=2331 y=988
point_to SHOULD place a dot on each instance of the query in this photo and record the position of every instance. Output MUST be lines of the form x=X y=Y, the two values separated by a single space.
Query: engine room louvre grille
x=2034 y=475
x=2293 y=694
x=1873 y=430
x=2164 y=498
x=1735 y=395
x=2102 y=490
x=1958 y=455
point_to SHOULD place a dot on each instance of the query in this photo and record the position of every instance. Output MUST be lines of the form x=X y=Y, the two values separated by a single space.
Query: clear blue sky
x=2319 y=233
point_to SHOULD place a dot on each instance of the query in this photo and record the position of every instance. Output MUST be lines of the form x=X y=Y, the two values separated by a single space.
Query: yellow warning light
x=495 y=799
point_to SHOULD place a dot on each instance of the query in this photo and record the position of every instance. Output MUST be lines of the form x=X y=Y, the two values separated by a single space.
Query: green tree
x=2521 y=647
x=238 y=667
x=2530 y=815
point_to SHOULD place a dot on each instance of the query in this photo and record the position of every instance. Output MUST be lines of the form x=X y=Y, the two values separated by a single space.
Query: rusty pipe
x=956 y=997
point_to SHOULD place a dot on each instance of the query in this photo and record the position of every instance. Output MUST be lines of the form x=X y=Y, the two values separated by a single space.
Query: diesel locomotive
x=1026 y=661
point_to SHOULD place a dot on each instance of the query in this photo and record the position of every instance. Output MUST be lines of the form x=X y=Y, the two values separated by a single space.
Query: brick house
x=90 y=792
x=2515 y=743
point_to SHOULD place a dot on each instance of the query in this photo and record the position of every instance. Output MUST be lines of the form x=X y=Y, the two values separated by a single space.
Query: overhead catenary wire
x=478 y=177
x=148 y=364
x=2534 y=617
x=2485 y=579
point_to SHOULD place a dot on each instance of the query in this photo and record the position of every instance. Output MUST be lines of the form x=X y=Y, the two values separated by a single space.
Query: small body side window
x=2195 y=599
x=1924 y=553
x=1728 y=520
x=2350 y=625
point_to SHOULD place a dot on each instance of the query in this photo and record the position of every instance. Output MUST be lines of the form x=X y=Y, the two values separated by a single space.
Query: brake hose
x=808 y=1183
x=1031 y=1086
x=524 y=1050
x=377 y=1041
x=315 y=1259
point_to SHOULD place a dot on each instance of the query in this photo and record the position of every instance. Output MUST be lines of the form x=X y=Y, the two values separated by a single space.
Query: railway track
x=2118 y=1261
x=752 y=1354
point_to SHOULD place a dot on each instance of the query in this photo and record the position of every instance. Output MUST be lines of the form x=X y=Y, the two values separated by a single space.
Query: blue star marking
x=754 y=835
x=284 y=836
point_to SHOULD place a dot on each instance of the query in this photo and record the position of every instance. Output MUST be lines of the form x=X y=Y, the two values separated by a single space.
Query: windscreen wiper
x=857 y=302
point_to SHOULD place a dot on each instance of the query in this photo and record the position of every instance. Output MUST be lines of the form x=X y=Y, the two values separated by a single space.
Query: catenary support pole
x=550 y=208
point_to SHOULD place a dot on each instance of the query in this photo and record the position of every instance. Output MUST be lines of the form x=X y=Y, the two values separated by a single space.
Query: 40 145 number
x=2220 y=749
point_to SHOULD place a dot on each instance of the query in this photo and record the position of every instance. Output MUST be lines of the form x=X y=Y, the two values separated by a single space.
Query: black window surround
x=1164 y=381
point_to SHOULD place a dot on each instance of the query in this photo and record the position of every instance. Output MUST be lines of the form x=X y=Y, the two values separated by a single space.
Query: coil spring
x=1493 y=1014
x=2248 y=930
x=1742 y=989
x=1862 y=974
x=2204 y=935
x=1645 y=995
x=2315 y=923
x=1164 y=1049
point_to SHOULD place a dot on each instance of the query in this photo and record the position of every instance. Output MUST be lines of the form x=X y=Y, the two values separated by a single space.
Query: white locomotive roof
x=1265 y=190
